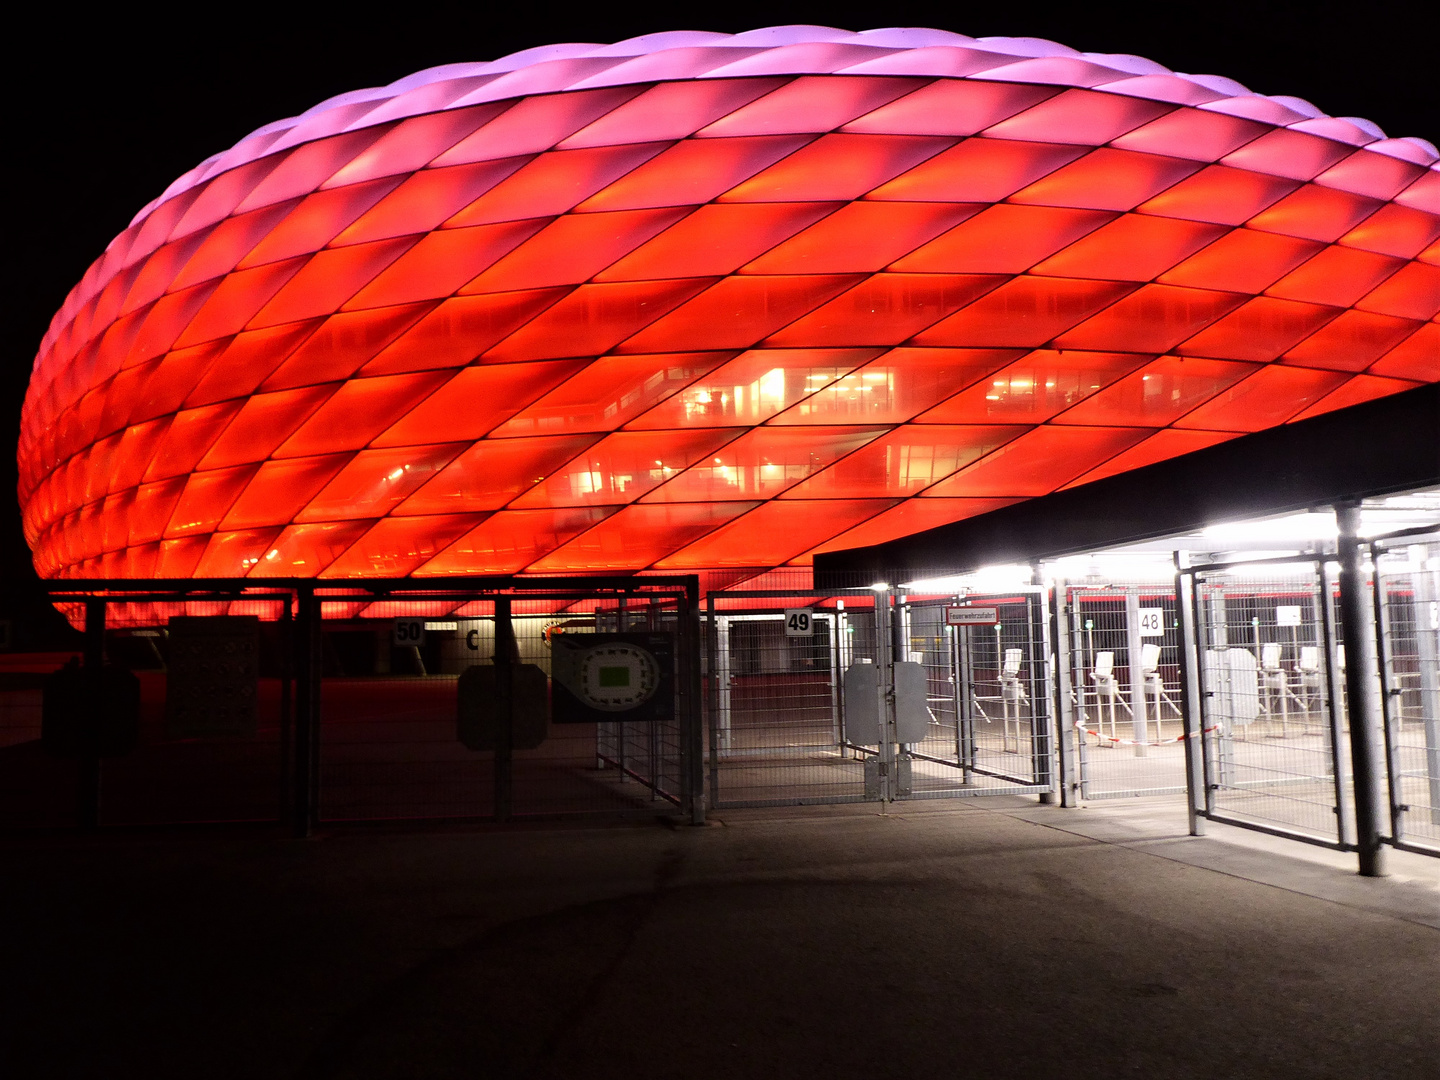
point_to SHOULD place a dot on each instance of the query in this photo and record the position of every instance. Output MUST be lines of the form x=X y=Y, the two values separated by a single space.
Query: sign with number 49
x=799 y=622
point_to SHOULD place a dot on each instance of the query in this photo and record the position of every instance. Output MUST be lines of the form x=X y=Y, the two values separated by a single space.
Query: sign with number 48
x=799 y=622
x=1152 y=622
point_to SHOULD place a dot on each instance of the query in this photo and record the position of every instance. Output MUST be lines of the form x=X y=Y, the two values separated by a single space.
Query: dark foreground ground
x=977 y=940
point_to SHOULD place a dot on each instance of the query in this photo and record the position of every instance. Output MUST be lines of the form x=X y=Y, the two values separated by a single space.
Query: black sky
x=104 y=111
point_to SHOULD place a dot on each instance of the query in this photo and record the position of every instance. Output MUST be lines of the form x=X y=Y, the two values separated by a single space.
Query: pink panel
x=905 y=462
x=1367 y=173
x=1035 y=388
x=693 y=172
x=1039 y=462
x=1271 y=396
x=837 y=167
x=623 y=466
x=442 y=262
x=1158 y=394
x=1003 y=240
x=511 y=540
x=896 y=386
x=737 y=312
x=1288 y=153
x=978 y=170
x=594 y=318
x=574 y=248
x=1106 y=179
x=476 y=400
x=774 y=532
x=1203 y=136
x=609 y=392
x=671 y=111
x=536 y=124
x=426 y=199
x=810 y=103
x=951 y=107
x=1028 y=311
x=885 y=309
x=305 y=168
x=413 y=144
x=753 y=387
x=1080 y=116
x=1135 y=247
x=1154 y=319
x=553 y=183
x=225 y=245
x=1352 y=341
x=762 y=463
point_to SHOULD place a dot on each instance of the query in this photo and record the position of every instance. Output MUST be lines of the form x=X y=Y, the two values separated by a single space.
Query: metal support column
x=1335 y=707
x=506 y=655
x=1133 y=643
x=1190 y=713
x=307 y=714
x=1361 y=697
x=692 y=738
x=1068 y=780
x=94 y=714
x=1042 y=687
x=885 y=663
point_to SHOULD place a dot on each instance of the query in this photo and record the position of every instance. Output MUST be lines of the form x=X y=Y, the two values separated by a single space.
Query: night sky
x=104 y=113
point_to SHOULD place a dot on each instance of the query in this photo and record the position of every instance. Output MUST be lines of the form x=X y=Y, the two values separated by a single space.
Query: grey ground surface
x=992 y=938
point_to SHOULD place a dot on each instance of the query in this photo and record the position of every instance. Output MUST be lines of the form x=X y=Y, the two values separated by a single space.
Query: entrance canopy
x=1374 y=449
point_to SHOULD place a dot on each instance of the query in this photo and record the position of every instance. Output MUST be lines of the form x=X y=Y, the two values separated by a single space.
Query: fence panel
x=1269 y=672
x=1408 y=606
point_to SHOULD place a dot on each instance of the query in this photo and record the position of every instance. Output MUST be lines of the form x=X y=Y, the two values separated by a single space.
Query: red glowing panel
x=754 y=387
x=467 y=323
x=762 y=463
x=1032 y=390
x=905 y=462
x=895 y=387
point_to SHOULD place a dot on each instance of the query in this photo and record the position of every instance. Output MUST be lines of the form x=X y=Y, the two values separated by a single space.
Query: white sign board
x=799 y=622
x=972 y=616
x=1287 y=616
x=408 y=632
x=1152 y=622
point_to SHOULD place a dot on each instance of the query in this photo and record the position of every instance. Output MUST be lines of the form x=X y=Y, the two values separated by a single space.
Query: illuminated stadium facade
x=708 y=303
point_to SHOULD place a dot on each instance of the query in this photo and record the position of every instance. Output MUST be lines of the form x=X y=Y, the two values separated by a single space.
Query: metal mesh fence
x=1126 y=690
x=1408 y=593
x=1269 y=673
x=239 y=707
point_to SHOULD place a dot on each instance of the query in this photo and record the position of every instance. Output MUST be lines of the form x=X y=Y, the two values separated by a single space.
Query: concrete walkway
x=989 y=938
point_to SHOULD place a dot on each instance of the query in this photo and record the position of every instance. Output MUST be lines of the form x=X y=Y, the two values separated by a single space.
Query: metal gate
x=1126 y=690
x=871 y=695
x=1407 y=602
x=1272 y=703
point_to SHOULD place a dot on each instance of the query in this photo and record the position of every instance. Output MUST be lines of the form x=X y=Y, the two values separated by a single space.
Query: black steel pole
x=505 y=649
x=94 y=712
x=306 y=695
x=1361 y=698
